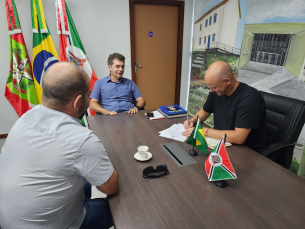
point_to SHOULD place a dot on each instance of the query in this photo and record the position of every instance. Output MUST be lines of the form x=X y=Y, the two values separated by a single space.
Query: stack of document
x=174 y=132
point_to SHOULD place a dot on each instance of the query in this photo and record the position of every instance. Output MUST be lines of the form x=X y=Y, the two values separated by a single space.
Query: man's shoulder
x=248 y=90
x=248 y=93
x=127 y=80
x=103 y=80
x=54 y=124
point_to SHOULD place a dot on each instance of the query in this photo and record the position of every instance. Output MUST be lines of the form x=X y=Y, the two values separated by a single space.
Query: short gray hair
x=115 y=56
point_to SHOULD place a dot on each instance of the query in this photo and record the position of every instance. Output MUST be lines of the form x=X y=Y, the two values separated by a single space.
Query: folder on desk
x=172 y=111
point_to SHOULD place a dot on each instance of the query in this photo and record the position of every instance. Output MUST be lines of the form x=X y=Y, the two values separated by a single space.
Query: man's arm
x=111 y=186
x=188 y=124
x=140 y=102
x=95 y=106
x=237 y=136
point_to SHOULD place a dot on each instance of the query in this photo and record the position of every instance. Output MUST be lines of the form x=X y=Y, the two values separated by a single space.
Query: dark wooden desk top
x=265 y=195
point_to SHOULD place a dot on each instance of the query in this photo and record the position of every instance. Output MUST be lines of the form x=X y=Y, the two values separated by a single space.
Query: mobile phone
x=150 y=115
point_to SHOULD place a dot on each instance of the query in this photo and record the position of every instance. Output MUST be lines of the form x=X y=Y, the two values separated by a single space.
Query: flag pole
x=193 y=152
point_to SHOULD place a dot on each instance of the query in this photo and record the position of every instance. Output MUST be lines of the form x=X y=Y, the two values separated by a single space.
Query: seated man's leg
x=98 y=214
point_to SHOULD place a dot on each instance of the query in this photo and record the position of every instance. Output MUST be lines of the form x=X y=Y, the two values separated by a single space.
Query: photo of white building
x=218 y=27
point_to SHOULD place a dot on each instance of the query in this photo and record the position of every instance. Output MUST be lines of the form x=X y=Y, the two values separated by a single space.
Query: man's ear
x=77 y=103
x=109 y=67
x=227 y=81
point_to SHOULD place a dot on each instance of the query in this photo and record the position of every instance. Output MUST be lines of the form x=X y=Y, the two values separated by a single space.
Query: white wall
x=103 y=27
x=207 y=31
x=230 y=20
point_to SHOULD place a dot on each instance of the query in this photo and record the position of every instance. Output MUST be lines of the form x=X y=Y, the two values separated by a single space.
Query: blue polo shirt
x=118 y=97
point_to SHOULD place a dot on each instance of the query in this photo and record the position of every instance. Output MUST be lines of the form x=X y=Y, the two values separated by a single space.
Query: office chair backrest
x=285 y=119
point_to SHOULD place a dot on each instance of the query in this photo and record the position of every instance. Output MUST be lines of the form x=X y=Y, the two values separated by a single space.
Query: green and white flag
x=71 y=48
x=218 y=165
x=20 y=89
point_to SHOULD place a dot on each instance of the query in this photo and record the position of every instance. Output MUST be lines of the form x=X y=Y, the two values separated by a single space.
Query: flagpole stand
x=221 y=183
x=192 y=152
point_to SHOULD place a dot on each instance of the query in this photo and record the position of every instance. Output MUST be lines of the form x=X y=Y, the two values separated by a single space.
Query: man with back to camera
x=49 y=155
x=114 y=93
x=239 y=110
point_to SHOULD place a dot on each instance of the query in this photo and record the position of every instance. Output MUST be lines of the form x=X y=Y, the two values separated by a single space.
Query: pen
x=187 y=117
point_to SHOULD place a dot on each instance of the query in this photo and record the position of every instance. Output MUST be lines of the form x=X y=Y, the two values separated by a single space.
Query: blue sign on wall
x=150 y=33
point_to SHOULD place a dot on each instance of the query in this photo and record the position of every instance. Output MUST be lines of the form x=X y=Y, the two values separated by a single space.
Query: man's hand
x=188 y=132
x=111 y=113
x=188 y=124
x=133 y=110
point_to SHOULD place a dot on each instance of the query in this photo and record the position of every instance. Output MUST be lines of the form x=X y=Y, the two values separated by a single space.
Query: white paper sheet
x=174 y=132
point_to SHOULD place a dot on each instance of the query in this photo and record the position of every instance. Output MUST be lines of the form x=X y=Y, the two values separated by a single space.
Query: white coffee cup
x=143 y=151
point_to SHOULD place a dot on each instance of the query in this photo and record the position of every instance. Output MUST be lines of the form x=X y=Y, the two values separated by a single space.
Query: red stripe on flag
x=62 y=47
x=12 y=14
x=225 y=158
x=208 y=166
x=58 y=19
x=65 y=15
x=62 y=40
x=19 y=38
x=20 y=105
x=93 y=79
x=7 y=16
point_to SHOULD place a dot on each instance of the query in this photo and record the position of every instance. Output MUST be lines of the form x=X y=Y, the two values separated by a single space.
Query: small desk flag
x=20 y=90
x=197 y=138
x=71 y=48
x=218 y=165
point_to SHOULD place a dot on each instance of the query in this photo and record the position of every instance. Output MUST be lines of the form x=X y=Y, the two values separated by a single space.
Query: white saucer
x=139 y=158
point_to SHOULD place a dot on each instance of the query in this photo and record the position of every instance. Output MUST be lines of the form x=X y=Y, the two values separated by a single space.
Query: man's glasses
x=150 y=172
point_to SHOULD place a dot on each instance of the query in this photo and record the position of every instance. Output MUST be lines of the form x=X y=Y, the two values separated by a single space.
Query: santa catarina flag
x=20 y=89
x=218 y=165
x=198 y=134
x=44 y=52
x=70 y=46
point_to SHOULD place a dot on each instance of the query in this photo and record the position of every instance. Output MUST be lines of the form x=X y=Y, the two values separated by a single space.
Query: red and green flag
x=70 y=46
x=197 y=138
x=44 y=52
x=20 y=89
x=218 y=165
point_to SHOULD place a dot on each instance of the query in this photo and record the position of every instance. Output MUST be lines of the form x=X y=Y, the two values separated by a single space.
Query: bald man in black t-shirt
x=239 y=110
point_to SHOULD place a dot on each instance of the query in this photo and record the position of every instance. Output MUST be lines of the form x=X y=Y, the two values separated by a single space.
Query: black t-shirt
x=245 y=108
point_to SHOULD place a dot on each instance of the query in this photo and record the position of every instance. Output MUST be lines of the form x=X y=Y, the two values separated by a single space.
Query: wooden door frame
x=180 y=4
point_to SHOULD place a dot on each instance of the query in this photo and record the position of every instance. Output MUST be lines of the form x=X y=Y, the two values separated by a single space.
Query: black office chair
x=285 y=119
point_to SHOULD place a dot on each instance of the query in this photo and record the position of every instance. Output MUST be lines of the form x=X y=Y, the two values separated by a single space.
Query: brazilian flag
x=44 y=52
x=197 y=138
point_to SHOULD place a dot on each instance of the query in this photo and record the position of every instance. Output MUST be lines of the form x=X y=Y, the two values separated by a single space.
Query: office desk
x=265 y=195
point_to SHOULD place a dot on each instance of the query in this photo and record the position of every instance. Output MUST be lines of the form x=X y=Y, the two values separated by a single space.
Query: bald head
x=219 y=70
x=220 y=79
x=62 y=82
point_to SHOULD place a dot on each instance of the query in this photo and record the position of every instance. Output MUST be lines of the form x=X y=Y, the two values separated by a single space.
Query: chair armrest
x=275 y=146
